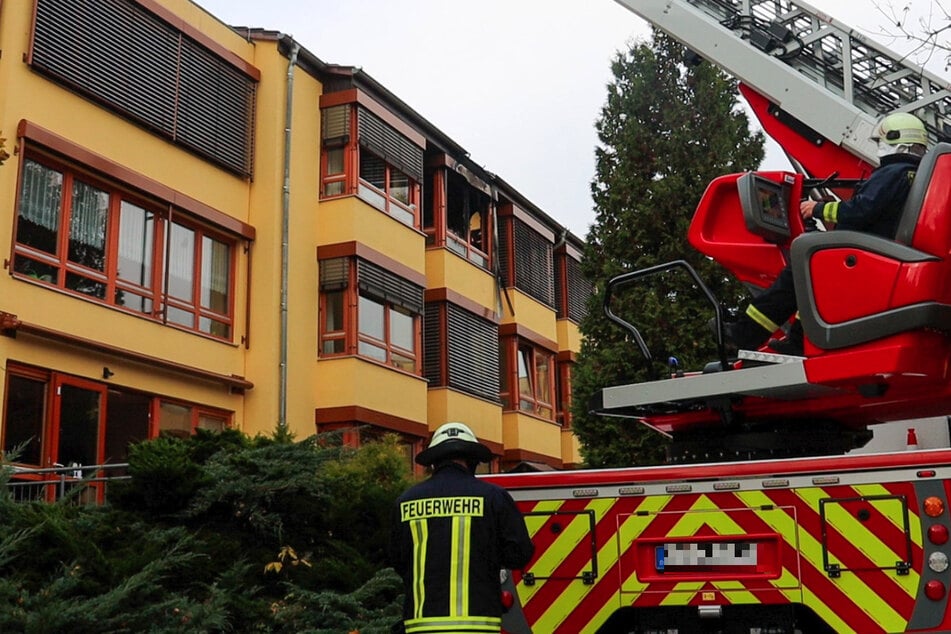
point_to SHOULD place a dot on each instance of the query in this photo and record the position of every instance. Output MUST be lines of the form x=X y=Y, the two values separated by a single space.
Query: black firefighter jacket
x=452 y=535
x=876 y=205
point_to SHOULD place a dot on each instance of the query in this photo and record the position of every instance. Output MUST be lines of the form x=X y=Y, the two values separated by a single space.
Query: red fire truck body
x=735 y=539
x=839 y=544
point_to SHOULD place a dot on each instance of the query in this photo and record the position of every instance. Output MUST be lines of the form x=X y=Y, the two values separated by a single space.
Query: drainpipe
x=285 y=233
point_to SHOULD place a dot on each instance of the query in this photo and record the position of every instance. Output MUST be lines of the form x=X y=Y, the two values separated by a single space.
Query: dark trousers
x=777 y=303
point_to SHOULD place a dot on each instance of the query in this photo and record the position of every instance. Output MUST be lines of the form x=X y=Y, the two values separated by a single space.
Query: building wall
x=69 y=336
x=246 y=380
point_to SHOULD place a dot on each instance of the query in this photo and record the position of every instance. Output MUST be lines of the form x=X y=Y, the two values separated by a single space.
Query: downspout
x=285 y=234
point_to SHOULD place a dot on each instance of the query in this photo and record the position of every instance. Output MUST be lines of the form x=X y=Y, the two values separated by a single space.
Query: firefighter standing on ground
x=452 y=536
x=875 y=208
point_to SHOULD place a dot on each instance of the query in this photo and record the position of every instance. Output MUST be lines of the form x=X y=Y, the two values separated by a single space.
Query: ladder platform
x=773 y=376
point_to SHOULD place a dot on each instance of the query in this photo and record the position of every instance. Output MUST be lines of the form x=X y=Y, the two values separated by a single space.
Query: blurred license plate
x=705 y=554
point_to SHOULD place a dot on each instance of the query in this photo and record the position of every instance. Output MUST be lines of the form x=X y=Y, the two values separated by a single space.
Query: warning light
x=933 y=506
x=934 y=590
x=508 y=600
x=938 y=534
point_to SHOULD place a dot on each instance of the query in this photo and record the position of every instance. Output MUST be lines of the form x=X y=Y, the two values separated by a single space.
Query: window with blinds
x=379 y=318
x=145 y=69
x=394 y=148
x=470 y=345
x=533 y=264
x=571 y=290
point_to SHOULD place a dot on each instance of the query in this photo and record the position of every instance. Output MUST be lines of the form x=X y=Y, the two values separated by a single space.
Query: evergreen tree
x=666 y=130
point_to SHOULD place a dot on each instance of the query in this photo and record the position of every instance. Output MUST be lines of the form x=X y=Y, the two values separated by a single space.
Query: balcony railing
x=82 y=484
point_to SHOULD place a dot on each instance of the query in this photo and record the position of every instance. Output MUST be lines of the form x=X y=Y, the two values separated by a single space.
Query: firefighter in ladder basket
x=875 y=208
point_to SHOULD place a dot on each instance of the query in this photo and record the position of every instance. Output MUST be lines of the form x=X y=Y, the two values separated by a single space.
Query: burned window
x=468 y=220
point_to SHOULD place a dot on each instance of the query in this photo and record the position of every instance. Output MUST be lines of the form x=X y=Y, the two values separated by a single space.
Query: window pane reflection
x=371 y=318
x=136 y=239
x=215 y=274
x=181 y=262
x=87 y=225
x=41 y=197
x=401 y=329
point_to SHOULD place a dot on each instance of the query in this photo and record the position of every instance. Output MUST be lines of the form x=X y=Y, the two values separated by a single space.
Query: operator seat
x=854 y=287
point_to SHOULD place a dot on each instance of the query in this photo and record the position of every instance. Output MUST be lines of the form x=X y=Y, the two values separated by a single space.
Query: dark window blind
x=136 y=64
x=473 y=349
x=383 y=285
x=534 y=270
x=384 y=141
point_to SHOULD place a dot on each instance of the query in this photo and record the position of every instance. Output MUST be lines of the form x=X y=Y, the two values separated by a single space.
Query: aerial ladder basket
x=875 y=312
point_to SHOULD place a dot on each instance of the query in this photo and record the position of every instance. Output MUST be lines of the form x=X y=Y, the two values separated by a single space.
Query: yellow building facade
x=206 y=228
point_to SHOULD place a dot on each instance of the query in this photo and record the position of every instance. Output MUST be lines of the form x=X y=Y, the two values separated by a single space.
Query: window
x=459 y=213
x=572 y=289
x=362 y=154
x=388 y=189
x=149 y=71
x=25 y=414
x=563 y=392
x=335 y=176
x=371 y=312
x=55 y=419
x=535 y=381
x=461 y=350
x=335 y=137
x=92 y=238
x=526 y=258
x=468 y=224
x=527 y=381
x=386 y=333
x=355 y=434
x=181 y=420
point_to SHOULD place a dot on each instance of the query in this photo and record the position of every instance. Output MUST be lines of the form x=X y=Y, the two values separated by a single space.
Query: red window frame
x=58 y=269
x=348 y=182
x=331 y=182
x=194 y=305
x=563 y=392
x=49 y=441
x=524 y=386
x=384 y=198
x=196 y=414
x=345 y=341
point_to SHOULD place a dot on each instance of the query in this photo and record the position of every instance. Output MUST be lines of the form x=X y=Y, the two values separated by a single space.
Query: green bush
x=190 y=542
x=164 y=476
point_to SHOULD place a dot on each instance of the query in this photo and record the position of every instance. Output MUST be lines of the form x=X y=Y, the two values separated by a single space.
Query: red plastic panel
x=933 y=232
x=719 y=231
x=849 y=283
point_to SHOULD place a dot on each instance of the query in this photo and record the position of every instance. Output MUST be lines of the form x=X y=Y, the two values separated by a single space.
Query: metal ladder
x=832 y=78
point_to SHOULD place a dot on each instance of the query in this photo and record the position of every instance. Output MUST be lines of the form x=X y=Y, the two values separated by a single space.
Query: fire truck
x=764 y=521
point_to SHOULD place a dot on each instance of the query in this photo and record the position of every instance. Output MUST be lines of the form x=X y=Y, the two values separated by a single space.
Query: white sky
x=517 y=83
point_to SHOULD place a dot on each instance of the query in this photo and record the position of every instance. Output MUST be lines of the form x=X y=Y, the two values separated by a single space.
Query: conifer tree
x=668 y=127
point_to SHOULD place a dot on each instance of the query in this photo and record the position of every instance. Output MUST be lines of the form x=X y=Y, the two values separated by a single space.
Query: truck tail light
x=508 y=600
x=938 y=534
x=934 y=506
x=934 y=590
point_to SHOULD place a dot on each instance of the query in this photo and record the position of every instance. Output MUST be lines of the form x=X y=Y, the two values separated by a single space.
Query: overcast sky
x=517 y=83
